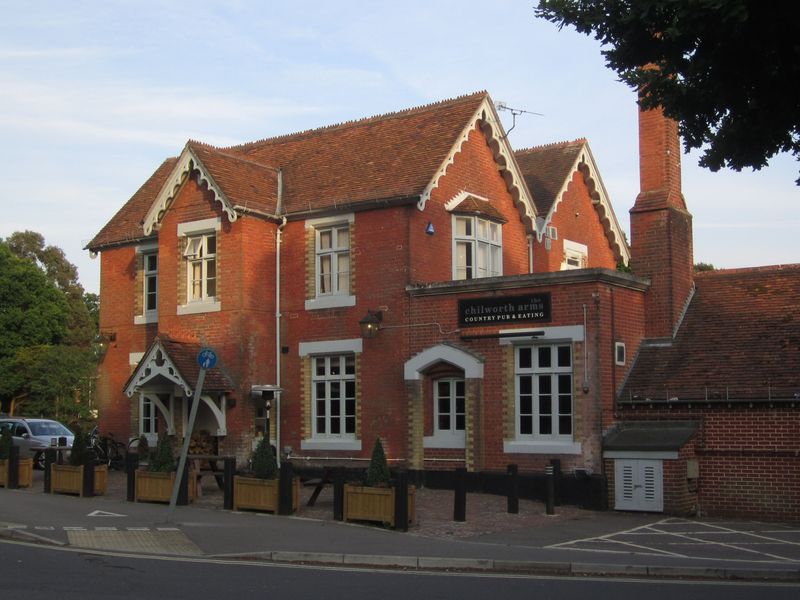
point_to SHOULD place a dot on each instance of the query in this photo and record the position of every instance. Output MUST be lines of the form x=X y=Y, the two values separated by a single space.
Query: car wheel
x=38 y=460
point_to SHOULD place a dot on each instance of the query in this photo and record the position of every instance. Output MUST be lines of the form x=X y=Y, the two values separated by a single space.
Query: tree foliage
x=63 y=274
x=264 y=464
x=724 y=68
x=162 y=459
x=46 y=355
x=378 y=471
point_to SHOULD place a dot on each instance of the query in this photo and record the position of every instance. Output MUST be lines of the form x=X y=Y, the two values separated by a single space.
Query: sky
x=94 y=95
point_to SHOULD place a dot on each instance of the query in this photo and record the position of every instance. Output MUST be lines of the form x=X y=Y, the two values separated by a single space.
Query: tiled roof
x=384 y=157
x=739 y=340
x=243 y=182
x=387 y=157
x=183 y=356
x=126 y=225
x=650 y=436
x=546 y=169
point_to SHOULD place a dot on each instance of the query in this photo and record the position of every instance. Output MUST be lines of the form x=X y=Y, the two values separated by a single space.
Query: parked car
x=34 y=436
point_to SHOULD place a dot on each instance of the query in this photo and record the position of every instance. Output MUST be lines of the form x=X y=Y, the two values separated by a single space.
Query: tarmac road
x=571 y=542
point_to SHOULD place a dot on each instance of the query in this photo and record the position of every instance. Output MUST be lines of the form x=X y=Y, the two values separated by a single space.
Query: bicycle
x=107 y=450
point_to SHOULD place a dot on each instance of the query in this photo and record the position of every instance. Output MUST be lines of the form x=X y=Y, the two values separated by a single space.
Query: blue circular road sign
x=207 y=358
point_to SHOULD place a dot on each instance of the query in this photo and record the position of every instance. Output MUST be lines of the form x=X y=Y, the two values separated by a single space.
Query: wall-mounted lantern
x=371 y=324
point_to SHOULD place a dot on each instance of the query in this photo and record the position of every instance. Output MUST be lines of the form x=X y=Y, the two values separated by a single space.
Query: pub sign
x=530 y=308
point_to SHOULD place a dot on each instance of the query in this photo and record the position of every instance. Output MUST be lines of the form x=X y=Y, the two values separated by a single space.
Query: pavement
x=571 y=542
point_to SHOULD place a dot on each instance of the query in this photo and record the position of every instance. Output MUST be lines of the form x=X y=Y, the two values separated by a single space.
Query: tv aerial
x=502 y=106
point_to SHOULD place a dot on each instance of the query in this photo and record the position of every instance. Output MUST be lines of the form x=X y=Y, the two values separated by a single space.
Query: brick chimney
x=661 y=227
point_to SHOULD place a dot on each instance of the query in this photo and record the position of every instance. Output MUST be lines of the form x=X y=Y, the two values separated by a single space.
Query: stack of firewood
x=202 y=443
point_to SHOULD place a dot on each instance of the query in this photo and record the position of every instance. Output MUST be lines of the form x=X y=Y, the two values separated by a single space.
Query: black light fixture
x=429 y=229
x=103 y=341
x=371 y=324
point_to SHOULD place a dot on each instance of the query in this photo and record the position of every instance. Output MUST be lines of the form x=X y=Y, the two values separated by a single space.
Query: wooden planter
x=68 y=479
x=363 y=503
x=25 y=472
x=154 y=486
x=261 y=494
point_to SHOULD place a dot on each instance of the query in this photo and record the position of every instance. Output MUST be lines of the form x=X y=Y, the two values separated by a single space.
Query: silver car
x=34 y=436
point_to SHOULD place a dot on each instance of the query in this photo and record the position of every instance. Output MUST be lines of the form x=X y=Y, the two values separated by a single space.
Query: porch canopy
x=169 y=370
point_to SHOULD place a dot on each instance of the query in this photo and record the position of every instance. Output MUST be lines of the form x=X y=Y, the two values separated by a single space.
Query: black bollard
x=513 y=489
x=551 y=490
x=230 y=471
x=12 y=476
x=285 y=489
x=88 y=474
x=460 y=496
x=338 y=493
x=401 y=501
x=131 y=465
x=49 y=459
x=556 y=462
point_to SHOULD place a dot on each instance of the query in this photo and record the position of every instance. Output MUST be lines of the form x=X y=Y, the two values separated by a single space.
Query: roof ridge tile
x=356 y=122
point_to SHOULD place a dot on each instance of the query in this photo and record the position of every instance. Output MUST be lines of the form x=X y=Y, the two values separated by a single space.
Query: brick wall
x=576 y=220
x=749 y=457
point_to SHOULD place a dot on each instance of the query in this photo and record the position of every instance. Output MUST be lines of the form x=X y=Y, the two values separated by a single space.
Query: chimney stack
x=661 y=227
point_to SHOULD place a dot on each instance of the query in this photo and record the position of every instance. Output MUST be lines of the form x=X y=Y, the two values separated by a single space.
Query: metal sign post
x=207 y=358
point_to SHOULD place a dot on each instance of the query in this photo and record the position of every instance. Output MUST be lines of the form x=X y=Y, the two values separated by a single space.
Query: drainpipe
x=530 y=253
x=278 y=240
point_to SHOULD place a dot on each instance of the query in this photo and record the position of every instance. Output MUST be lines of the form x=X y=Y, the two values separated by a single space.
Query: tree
x=378 y=471
x=45 y=365
x=723 y=68
x=29 y=245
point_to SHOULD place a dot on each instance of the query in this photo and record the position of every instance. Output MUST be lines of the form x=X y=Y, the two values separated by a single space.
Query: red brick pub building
x=412 y=277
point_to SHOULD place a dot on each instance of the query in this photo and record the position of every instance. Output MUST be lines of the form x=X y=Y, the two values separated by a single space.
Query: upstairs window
x=477 y=248
x=333 y=260
x=146 y=302
x=200 y=253
x=575 y=256
x=150 y=282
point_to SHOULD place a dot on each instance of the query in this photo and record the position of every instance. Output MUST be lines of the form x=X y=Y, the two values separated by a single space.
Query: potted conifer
x=375 y=500
x=155 y=482
x=25 y=464
x=260 y=490
x=68 y=478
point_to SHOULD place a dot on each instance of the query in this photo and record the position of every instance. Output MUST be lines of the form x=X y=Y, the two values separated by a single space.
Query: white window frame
x=148 y=424
x=200 y=231
x=336 y=297
x=335 y=375
x=199 y=253
x=147 y=251
x=619 y=353
x=534 y=441
x=452 y=436
x=483 y=242
x=576 y=256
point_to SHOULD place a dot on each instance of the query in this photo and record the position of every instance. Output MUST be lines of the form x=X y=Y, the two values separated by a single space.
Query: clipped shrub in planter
x=25 y=464
x=68 y=479
x=155 y=483
x=260 y=491
x=375 y=501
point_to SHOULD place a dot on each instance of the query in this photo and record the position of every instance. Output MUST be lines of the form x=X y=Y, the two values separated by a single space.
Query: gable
x=238 y=185
x=548 y=171
x=170 y=362
x=488 y=121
